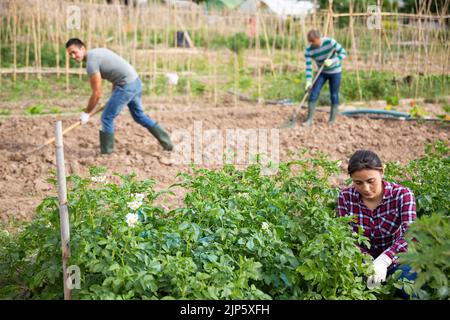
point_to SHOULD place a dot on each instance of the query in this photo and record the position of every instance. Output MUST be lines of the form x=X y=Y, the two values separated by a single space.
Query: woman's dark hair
x=75 y=41
x=364 y=159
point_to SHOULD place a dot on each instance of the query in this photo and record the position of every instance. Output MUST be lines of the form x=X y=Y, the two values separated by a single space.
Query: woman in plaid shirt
x=384 y=210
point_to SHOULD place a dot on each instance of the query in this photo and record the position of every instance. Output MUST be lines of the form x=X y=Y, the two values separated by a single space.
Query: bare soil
x=22 y=180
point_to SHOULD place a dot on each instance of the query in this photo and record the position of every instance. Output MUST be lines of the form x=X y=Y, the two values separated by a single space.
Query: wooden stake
x=63 y=209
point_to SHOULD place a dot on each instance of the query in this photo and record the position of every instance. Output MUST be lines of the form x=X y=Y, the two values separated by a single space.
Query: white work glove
x=84 y=118
x=380 y=266
x=328 y=62
x=308 y=84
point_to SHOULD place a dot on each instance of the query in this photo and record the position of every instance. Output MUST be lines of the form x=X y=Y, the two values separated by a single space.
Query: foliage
x=446 y=107
x=427 y=177
x=418 y=111
x=240 y=235
x=429 y=255
x=55 y=110
x=5 y=112
x=393 y=101
x=35 y=109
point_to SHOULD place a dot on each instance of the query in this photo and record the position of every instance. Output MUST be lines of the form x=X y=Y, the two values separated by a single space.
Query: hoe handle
x=68 y=129
x=310 y=88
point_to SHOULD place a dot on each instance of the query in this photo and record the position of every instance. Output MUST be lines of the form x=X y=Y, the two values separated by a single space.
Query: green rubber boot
x=106 y=142
x=333 y=113
x=162 y=136
x=311 y=111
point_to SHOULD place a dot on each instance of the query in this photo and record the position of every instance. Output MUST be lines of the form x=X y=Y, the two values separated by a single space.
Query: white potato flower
x=100 y=179
x=265 y=226
x=138 y=196
x=132 y=219
x=134 y=205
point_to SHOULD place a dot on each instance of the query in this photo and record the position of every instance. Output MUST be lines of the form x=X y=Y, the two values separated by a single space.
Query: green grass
x=374 y=86
x=47 y=88
x=35 y=109
x=286 y=85
x=5 y=112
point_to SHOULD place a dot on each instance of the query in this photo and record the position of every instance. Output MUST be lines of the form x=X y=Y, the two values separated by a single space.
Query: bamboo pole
x=136 y=28
x=119 y=27
x=7 y=27
x=35 y=46
x=215 y=80
x=1 y=41
x=189 y=79
x=315 y=14
x=148 y=40
x=354 y=50
x=236 y=78
x=86 y=33
x=327 y=23
x=67 y=61
x=63 y=209
x=210 y=78
x=57 y=39
x=39 y=39
x=380 y=40
x=186 y=34
x=392 y=14
x=89 y=28
x=15 y=22
x=331 y=32
x=257 y=55
x=154 y=62
x=266 y=37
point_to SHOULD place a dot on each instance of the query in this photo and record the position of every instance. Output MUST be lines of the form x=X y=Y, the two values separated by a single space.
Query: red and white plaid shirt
x=386 y=225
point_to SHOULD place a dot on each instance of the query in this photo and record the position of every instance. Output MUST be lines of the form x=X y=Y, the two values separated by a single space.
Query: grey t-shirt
x=111 y=66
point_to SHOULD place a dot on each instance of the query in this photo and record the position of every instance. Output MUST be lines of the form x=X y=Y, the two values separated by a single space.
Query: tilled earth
x=22 y=179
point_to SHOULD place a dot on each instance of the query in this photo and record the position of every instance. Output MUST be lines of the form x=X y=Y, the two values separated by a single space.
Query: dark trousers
x=334 y=80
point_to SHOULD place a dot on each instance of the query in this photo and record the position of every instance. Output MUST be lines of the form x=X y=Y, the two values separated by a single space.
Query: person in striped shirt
x=384 y=211
x=318 y=50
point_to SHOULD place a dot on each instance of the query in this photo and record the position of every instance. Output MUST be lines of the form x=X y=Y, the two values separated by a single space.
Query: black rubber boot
x=106 y=142
x=162 y=136
x=333 y=113
x=311 y=111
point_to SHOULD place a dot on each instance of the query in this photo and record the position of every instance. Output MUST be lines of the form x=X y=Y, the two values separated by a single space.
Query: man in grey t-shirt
x=102 y=63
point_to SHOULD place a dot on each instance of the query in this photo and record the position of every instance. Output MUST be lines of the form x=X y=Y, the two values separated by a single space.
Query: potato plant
x=427 y=177
x=429 y=255
x=240 y=234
